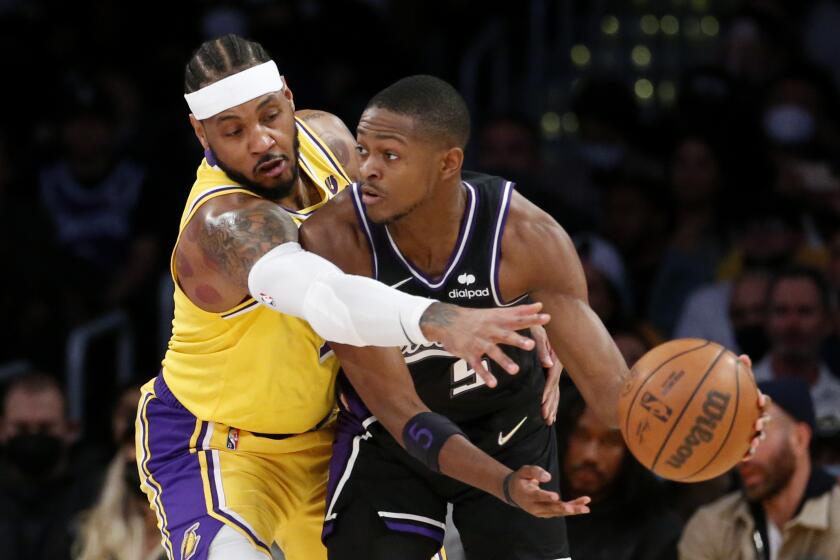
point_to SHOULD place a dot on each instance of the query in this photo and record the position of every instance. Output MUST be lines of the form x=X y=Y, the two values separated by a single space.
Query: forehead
x=47 y=404
x=379 y=123
x=590 y=422
x=795 y=290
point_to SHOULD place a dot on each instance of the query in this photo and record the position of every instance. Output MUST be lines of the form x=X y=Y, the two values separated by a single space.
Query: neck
x=781 y=508
x=805 y=368
x=304 y=194
x=428 y=234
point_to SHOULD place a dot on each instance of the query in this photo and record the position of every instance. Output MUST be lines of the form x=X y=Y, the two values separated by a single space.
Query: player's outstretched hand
x=472 y=334
x=523 y=490
x=763 y=417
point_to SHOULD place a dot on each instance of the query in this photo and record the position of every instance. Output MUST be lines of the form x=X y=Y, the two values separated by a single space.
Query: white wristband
x=340 y=307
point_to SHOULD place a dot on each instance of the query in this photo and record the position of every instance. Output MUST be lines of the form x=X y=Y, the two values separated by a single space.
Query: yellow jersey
x=251 y=367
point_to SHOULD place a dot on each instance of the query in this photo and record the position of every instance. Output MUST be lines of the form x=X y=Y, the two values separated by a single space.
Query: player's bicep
x=234 y=238
x=333 y=233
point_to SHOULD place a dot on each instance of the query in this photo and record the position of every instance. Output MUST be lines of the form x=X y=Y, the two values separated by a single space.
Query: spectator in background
x=43 y=485
x=696 y=243
x=730 y=313
x=509 y=145
x=120 y=526
x=628 y=519
x=96 y=204
x=787 y=508
x=797 y=325
x=636 y=221
x=608 y=125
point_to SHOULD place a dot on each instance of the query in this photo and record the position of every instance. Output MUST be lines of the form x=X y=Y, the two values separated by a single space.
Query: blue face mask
x=789 y=124
x=601 y=155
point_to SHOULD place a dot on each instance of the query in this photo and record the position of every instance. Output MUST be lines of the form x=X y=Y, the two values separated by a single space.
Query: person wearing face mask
x=42 y=485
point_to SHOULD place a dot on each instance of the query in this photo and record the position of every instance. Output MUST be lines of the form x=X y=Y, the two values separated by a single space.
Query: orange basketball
x=688 y=410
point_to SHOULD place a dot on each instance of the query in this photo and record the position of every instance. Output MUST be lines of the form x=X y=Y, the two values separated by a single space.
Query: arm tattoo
x=438 y=315
x=238 y=238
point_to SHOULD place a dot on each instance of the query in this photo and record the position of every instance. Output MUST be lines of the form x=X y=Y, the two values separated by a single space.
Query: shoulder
x=336 y=135
x=334 y=233
x=321 y=121
x=534 y=241
x=722 y=510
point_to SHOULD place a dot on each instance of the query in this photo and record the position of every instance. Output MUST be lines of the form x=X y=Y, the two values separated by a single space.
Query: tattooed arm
x=337 y=136
x=222 y=242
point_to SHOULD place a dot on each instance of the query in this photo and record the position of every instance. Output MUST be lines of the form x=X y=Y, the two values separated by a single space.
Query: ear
x=451 y=162
x=198 y=128
x=287 y=93
x=801 y=438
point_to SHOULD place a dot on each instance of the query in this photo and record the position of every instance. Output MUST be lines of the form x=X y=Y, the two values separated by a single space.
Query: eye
x=271 y=116
x=234 y=133
x=360 y=150
x=391 y=156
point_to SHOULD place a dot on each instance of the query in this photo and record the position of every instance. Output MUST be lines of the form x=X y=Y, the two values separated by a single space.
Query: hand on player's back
x=471 y=334
x=526 y=493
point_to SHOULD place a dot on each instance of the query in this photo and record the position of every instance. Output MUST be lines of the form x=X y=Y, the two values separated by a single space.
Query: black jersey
x=446 y=384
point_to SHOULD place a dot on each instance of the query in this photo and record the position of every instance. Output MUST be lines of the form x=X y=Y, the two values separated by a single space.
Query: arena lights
x=700 y=5
x=710 y=26
x=550 y=123
x=569 y=123
x=610 y=25
x=640 y=55
x=580 y=55
x=670 y=25
x=643 y=89
x=649 y=24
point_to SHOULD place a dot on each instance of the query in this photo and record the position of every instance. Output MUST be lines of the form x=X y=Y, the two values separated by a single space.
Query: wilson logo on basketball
x=714 y=409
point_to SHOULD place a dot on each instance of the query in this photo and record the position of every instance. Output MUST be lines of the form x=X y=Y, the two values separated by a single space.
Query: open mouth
x=272 y=168
x=370 y=196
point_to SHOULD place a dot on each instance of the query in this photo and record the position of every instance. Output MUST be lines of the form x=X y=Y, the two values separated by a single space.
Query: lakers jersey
x=251 y=367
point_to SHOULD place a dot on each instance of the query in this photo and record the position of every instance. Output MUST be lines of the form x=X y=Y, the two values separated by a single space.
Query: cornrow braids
x=220 y=58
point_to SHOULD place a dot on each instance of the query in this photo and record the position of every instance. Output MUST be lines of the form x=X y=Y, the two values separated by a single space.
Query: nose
x=369 y=169
x=261 y=141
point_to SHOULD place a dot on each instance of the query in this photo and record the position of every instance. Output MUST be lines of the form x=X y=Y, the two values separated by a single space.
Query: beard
x=776 y=477
x=279 y=192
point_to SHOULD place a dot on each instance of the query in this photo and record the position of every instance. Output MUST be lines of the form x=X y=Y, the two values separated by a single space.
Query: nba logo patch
x=189 y=544
x=332 y=183
x=233 y=438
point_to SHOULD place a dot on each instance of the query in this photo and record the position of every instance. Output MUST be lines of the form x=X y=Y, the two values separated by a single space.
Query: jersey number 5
x=464 y=378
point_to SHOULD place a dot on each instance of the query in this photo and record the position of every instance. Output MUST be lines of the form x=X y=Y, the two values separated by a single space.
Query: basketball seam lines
x=650 y=376
x=731 y=424
x=687 y=404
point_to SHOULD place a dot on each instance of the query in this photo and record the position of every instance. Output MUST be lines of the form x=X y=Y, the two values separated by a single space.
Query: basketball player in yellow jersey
x=234 y=435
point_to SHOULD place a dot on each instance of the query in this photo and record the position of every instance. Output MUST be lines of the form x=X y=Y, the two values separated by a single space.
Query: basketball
x=688 y=410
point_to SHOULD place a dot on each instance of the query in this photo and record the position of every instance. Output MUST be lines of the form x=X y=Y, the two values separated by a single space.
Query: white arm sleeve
x=340 y=307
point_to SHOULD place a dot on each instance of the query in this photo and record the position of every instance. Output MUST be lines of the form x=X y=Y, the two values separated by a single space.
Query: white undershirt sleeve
x=340 y=307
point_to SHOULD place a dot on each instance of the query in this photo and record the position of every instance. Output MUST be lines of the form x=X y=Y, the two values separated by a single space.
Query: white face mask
x=789 y=124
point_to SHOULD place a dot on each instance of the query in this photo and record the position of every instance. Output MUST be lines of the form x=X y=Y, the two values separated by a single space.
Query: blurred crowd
x=716 y=215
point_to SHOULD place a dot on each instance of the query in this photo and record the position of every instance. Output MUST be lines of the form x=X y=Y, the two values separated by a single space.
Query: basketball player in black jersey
x=416 y=222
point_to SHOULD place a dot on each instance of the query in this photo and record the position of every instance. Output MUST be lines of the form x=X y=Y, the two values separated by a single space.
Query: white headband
x=235 y=90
